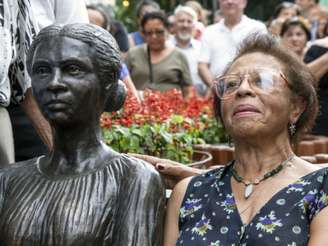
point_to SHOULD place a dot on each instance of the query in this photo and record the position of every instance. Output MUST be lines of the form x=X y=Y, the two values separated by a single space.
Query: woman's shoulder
x=137 y=50
x=201 y=182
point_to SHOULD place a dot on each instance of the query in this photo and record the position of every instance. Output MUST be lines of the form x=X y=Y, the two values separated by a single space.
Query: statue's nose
x=56 y=82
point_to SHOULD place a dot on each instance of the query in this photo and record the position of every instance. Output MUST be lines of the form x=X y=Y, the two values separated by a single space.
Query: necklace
x=250 y=185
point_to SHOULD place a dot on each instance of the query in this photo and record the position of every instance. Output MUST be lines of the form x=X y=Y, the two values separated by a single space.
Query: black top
x=119 y=204
x=320 y=128
x=209 y=215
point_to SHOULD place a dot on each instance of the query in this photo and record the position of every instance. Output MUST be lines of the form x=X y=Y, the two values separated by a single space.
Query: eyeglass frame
x=158 y=33
x=242 y=78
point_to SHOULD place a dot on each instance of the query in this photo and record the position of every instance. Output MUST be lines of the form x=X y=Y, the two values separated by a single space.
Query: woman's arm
x=319 y=66
x=171 y=228
x=172 y=171
x=319 y=229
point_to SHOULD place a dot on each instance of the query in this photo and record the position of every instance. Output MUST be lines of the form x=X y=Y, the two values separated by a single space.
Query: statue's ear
x=115 y=96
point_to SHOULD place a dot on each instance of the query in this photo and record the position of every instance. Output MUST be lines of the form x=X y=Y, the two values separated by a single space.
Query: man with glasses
x=220 y=41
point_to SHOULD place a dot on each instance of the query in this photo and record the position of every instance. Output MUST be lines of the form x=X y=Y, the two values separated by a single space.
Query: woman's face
x=251 y=111
x=155 y=34
x=295 y=39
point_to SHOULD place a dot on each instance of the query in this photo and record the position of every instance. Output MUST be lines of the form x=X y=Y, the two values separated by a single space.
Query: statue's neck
x=76 y=151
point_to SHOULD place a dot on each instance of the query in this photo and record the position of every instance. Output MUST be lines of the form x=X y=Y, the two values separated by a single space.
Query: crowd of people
x=268 y=80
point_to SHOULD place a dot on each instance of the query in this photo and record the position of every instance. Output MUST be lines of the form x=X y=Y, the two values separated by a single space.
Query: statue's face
x=64 y=81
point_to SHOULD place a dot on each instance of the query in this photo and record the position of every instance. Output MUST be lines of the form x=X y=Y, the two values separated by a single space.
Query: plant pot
x=202 y=159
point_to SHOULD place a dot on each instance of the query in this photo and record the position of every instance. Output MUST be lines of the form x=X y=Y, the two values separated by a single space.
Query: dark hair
x=301 y=80
x=146 y=3
x=107 y=56
x=295 y=21
x=158 y=15
x=103 y=11
x=285 y=5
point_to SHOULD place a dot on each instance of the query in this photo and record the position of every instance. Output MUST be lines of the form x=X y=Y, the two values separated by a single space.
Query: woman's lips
x=245 y=110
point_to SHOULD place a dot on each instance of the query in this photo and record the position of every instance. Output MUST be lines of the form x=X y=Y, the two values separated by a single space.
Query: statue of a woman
x=83 y=193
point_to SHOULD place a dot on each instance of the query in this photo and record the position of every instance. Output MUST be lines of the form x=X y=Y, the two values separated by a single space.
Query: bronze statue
x=83 y=193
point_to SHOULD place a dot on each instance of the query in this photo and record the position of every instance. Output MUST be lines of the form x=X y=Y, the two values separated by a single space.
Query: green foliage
x=172 y=139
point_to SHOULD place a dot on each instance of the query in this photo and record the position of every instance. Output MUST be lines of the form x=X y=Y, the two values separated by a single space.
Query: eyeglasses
x=157 y=32
x=260 y=80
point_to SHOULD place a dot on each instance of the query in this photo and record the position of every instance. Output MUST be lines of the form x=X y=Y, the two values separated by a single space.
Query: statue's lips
x=57 y=104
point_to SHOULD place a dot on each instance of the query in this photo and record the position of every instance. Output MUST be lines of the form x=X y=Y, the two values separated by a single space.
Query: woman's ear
x=115 y=96
x=298 y=107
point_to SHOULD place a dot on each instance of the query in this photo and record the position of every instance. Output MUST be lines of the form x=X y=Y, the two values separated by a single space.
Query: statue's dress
x=121 y=204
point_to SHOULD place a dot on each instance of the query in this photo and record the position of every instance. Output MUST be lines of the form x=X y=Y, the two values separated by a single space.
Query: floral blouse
x=209 y=215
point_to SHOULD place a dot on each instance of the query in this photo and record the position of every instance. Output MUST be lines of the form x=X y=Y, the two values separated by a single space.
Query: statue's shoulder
x=18 y=168
x=138 y=164
x=138 y=168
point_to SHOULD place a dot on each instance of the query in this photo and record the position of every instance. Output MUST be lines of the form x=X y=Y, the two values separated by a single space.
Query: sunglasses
x=260 y=80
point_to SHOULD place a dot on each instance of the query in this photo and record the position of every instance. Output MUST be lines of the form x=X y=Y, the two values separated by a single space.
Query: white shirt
x=49 y=12
x=17 y=27
x=192 y=52
x=219 y=43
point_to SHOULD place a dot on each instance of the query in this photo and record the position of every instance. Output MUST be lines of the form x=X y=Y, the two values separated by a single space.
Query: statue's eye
x=42 y=70
x=74 y=70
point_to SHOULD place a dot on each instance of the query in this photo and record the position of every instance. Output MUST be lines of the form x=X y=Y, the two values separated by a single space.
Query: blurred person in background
x=98 y=16
x=306 y=6
x=201 y=18
x=295 y=34
x=143 y=7
x=316 y=58
x=186 y=19
x=282 y=12
x=318 y=20
x=321 y=17
x=157 y=65
x=217 y=16
x=172 y=23
x=27 y=138
x=311 y=10
x=220 y=41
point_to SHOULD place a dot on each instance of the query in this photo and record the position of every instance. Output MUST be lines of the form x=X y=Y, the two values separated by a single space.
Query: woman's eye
x=232 y=84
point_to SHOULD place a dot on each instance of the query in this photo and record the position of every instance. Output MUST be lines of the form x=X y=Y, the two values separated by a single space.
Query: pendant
x=248 y=190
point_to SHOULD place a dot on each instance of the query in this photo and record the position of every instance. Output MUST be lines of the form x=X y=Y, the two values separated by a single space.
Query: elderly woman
x=157 y=65
x=267 y=195
x=83 y=192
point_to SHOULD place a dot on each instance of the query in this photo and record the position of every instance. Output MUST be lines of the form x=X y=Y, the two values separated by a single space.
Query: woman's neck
x=253 y=160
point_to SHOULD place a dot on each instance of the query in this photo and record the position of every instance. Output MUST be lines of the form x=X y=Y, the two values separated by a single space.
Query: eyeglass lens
x=158 y=32
x=262 y=80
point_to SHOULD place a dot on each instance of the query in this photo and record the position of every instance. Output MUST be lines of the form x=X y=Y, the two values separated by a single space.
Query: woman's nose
x=245 y=87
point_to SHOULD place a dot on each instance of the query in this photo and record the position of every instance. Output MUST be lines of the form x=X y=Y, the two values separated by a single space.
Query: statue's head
x=75 y=70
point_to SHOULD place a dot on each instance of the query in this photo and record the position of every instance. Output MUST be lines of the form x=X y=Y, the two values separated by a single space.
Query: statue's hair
x=107 y=55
